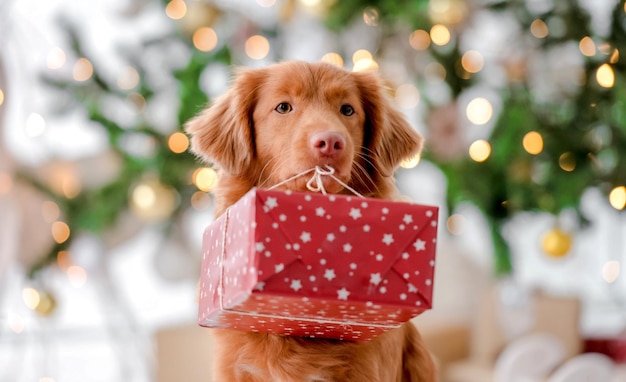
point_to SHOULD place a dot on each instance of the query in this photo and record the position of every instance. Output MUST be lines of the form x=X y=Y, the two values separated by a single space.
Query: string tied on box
x=316 y=182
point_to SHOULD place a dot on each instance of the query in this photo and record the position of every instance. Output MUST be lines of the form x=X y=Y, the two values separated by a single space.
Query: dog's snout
x=327 y=143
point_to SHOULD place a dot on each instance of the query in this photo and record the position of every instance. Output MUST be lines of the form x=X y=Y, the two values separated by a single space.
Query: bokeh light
x=479 y=111
x=35 y=125
x=472 y=61
x=83 y=70
x=567 y=162
x=205 y=39
x=411 y=162
x=6 y=182
x=178 y=142
x=605 y=76
x=1 y=97
x=480 y=150
x=363 y=60
x=333 y=58
x=60 y=231
x=456 y=224
x=419 y=40
x=176 y=9
x=371 y=16
x=533 y=142
x=128 y=78
x=204 y=178
x=266 y=3
x=77 y=276
x=407 y=96
x=440 y=34
x=55 y=59
x=587 y=47
x=539 y=28
x=257 y=47
x=617 y=197
x=31 y=297
x=50 y=211
x=611 y=271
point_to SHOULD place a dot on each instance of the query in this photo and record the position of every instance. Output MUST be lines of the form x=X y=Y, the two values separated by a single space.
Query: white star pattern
x=330 y=237
x=420 y=245
x=388 y=238
x=279 y=267
x=342 y=294
x=366 y=228
x=407 y=219
x=429 y=213
x=296 y=285
x=375 y=278
x=271 y=202
x=260 y=247
x=260 y=285
x=329 y=274
x=305 y=237
x=319 y=211
x=347 y=247
x=355 y=213
x=412 y=288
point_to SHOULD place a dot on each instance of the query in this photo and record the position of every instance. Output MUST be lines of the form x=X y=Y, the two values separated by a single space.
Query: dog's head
x=284 y=119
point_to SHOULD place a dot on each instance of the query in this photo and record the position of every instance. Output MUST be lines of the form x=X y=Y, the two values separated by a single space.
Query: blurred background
x=522 y=104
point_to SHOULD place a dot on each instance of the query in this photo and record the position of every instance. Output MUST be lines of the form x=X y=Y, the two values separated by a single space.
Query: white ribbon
x=316 y=184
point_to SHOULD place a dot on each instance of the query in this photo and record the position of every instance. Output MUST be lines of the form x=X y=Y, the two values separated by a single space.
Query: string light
x=1 y=97
x=83 y=70
x=50 y=211
x=587 y=47
x=178 y=142
x=205 y=39
x=76 y=275
x=35 y=125
x=56 y=59
x=617 y=197
x=31 y=298
x=60 y=231
x=472 y=61
x=480 y=150
x=363 y=60
x=411 y=162
x=456 y=224
x=440 y=34
x=610 y=271
x=567 y=162
x=407 y=96
x=614 y=56
x=533 y=143
x=128 y=78
x=204 y=178
x=176 y=9
x=257 y=47
x=539 y=28
x=64 y=260
x=333 y=58
x=419 y=40
x=479 y=111
x=435 y=70
x=605 y=76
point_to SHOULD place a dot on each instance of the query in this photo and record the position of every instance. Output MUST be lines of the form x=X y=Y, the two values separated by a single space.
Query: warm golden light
x=205 y=39
x=567 y=162
x=31 y=297
x=361 y=54
x=436 y=70
x=60 y=231
x=617 y=197
x=64 y=260
x=419 y=40
x=204 y=178
x=144 y=196
x=533 y=142
x=178 y=142
x=479 y=111
x=456 y=224
x=407 y=96
x=605 y=76
x=176 y=9
x=587 y=47
x=539 y=28
x=55 y=59
x=257 y=47
x=480 y=150
x=1 y=97
x=333 y=58
x=35 y=125
x=83 y=70
x=472 y=61
x=364 y=65
x=411 y=162
x=440 y=35
x=128 y=78
x=200 y=200
x=611 y=271
x=614 y=56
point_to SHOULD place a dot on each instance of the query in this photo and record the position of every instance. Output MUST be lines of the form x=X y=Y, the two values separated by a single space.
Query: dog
x=271 y=125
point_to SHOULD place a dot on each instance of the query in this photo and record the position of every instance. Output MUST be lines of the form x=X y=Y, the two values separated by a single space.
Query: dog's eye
x=347 y=110
x=283 y=108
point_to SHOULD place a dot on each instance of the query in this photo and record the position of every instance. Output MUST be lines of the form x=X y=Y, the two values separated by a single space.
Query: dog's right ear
x=222 y=134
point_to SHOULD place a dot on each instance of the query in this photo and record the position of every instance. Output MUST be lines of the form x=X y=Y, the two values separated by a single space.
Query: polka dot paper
x=328 y=266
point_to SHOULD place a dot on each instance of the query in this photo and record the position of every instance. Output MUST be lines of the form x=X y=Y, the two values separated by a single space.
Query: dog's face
x=282 y=120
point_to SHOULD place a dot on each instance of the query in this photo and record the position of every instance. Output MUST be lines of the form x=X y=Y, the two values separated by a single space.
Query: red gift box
x=306 y=264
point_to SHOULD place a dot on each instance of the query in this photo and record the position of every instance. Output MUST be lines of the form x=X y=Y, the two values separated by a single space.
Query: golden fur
x=277 y=122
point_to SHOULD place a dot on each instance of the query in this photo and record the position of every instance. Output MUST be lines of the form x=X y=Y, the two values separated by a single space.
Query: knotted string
x=316 y=184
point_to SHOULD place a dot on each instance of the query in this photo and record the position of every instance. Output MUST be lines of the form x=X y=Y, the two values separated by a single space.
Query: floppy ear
x=223 y=133
x=388 y=135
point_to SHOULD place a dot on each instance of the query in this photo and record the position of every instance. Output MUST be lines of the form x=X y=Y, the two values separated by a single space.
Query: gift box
x=306 y=264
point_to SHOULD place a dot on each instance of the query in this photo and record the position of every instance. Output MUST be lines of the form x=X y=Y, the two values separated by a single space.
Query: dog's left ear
x=389 y=136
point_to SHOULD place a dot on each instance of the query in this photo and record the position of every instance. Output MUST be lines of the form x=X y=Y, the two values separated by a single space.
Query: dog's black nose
x=327 y=143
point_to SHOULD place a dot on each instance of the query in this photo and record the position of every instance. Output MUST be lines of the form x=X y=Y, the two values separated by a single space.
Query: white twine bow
x=316 y=183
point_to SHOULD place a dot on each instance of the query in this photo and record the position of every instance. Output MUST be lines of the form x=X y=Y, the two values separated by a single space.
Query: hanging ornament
x=556 y=243
x=153 y=201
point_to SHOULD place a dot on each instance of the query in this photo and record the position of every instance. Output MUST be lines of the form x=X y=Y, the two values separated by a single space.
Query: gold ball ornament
x=556 y=243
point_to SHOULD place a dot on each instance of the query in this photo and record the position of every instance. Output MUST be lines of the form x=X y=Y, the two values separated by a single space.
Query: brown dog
x=275 y=123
